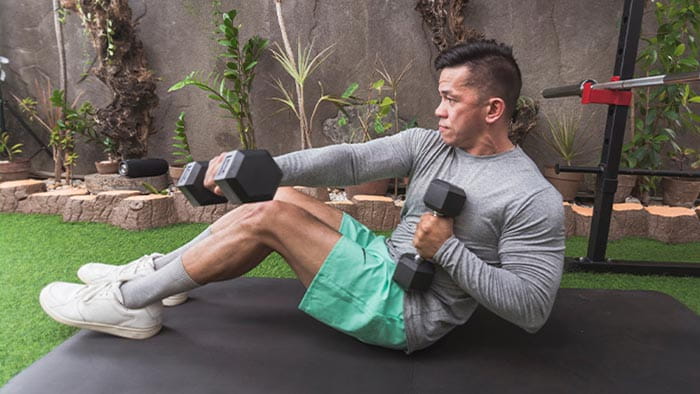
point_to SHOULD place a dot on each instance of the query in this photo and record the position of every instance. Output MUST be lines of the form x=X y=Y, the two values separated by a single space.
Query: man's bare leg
x=240 y=240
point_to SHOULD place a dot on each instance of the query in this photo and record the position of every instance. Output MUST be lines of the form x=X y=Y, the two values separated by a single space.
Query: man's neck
x=490 y=143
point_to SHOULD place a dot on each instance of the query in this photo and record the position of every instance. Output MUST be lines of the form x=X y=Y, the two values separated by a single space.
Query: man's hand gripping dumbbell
x=243 y=176
x=413 y=273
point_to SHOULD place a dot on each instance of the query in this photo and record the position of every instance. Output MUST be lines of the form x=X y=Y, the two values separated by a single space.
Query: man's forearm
x=521 y=293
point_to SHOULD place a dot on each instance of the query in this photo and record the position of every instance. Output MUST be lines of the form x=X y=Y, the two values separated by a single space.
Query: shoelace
x=103 y=289
x=130 y=271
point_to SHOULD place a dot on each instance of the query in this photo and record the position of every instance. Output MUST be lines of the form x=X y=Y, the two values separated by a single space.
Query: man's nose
x=440 y=111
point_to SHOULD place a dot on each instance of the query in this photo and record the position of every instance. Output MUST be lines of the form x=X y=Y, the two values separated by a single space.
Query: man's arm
x=350 y=164
x=531 y=250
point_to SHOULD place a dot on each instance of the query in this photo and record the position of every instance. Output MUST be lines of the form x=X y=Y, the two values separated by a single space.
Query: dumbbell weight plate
x=248 y=176
x=191 y=184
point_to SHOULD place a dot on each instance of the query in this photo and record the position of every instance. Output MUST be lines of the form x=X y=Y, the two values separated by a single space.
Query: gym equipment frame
x=617 y=95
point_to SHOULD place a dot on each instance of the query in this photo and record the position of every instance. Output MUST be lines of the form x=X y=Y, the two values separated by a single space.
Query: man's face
x=461 y=113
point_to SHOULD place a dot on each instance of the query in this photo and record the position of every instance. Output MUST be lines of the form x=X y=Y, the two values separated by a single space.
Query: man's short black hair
x=493 y=68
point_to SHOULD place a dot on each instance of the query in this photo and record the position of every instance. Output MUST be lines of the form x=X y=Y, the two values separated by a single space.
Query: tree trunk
x=123 y=67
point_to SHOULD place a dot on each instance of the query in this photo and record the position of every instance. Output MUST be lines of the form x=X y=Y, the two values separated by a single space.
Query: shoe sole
x=124 y=332
x=175 y=300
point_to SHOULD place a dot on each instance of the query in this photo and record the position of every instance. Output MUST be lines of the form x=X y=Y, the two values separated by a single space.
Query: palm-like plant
x=300 y=68
x=564 y=136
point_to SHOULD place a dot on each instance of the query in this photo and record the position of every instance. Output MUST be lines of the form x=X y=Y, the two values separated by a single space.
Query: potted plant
x=563 y=138
x=181 y=149
x=681 y=191
x=625 y=182
x=371 y=116
x=14 y=167
x=111 y=164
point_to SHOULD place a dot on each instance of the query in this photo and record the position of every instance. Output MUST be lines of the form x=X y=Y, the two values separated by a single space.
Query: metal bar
x=629 y=171
x=634 y=267
x=656 y=80
x=606 y=182
x=564 y=91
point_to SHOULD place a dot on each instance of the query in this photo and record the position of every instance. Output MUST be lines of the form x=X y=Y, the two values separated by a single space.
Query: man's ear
x=496 y=110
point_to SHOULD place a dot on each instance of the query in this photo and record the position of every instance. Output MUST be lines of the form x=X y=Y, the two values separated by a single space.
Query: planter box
x=96 y=183
x=50 y=203
x=673 y=224
x=14 y=192
x=95 y=208
x=188 y=213
x=376 y=212
x=144 y=212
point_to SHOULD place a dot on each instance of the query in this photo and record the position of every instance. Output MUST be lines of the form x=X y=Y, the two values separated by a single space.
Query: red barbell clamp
x=605 y=96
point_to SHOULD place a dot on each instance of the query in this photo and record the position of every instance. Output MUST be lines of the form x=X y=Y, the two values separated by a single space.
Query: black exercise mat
x=246 y=336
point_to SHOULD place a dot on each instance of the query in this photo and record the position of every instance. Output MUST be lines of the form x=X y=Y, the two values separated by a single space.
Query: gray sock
x=161 y=262
x=146 y=290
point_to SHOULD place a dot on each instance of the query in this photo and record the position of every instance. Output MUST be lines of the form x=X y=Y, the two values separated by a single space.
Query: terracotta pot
x=14 y=170
x=625 y=184
x=377 y=188
x=680 y=192
x=107 y=166
x=175 y=173
x=566 y=183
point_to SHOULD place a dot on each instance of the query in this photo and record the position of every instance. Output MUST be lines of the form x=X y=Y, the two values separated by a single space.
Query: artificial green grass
x=38 y=249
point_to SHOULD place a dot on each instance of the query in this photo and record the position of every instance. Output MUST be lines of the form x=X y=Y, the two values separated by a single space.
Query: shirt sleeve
x=522 y=288
x=350 y=164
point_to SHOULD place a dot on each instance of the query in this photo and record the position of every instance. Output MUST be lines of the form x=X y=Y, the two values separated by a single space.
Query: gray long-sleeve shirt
x=508 y=245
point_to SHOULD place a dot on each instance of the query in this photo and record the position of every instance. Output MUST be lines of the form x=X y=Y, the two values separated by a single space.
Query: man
x=504 y=251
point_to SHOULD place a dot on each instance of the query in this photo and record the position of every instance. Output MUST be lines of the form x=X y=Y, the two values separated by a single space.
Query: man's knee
x=264 y=216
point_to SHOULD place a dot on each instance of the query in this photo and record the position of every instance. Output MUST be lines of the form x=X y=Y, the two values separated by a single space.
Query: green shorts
x=353 y=291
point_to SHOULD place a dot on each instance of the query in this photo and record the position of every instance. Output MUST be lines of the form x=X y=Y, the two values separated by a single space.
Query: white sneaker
x=100 y=307
x=93 y=273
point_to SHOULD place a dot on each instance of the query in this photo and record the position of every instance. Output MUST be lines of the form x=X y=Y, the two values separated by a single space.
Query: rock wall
x=557 y=42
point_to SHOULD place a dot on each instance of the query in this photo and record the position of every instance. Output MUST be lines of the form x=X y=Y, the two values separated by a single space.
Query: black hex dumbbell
x=244 y=176
x=413 y=273
x=191 y=184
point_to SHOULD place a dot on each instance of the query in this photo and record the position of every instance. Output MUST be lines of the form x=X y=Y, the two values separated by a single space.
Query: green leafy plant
x=231 y=90
x=111 y=148
x=372 y=110
x=685 y=158
x=75 y=121
x=662 y=113
x=62 y=121
x=564 y=136
x=300 y=70
x=8 y=149
x=376 y=106
x=181 y=145
x=153 y=190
